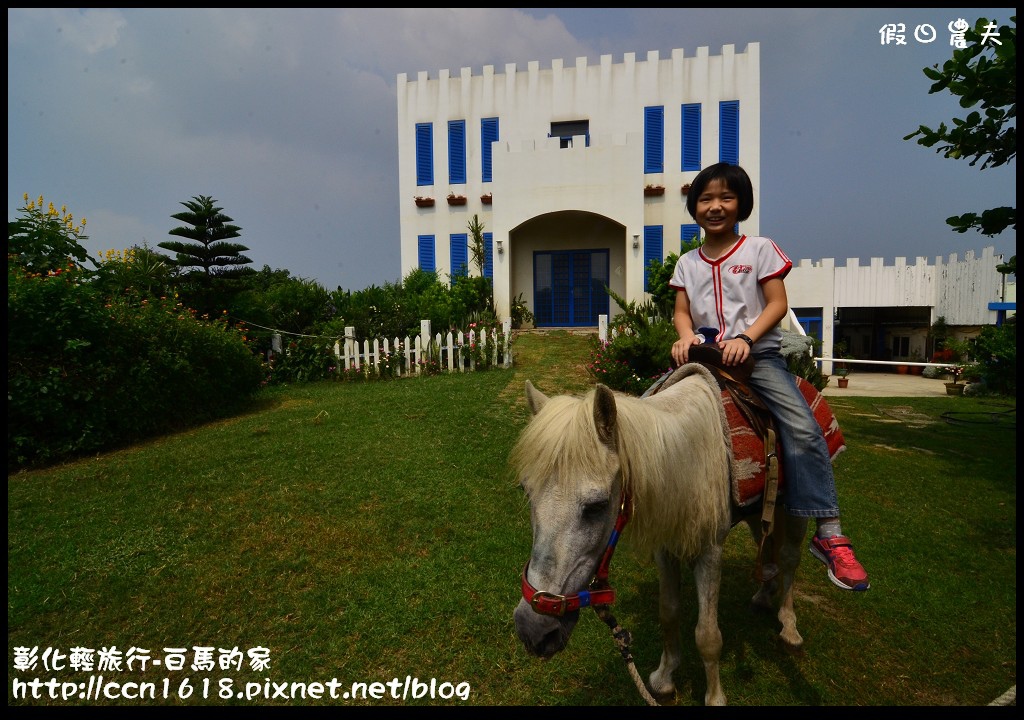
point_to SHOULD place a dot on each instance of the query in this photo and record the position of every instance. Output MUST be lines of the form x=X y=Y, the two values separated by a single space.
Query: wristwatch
x=745 y=339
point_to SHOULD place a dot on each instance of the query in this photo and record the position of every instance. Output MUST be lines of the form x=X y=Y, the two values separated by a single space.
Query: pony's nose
x=542 y=635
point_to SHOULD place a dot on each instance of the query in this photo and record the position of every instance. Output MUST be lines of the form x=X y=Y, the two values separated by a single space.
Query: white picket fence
x=452 y=352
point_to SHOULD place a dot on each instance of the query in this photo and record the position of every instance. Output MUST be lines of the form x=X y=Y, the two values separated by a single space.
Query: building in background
x=579 y=176
x=577 y=173
x=885 y=312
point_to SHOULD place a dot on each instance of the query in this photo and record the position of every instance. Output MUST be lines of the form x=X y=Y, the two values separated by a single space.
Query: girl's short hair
x=735 y=178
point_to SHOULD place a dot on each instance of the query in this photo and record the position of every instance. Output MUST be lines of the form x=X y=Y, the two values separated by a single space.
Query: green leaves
x=985 y=73
x=44 y=241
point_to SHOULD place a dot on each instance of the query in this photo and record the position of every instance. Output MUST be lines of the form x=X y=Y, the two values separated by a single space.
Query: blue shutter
x=488 y=255
x=460 y=254
x=729 y=129
x=654 y=139
x=426 y=253
x=488 y=135
x=691 y=137
x=653 y=250
x=457 y=152
x=424 y=154
x=687 y=232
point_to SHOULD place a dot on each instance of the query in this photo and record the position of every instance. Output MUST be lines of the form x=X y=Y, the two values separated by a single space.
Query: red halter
x=599 y=592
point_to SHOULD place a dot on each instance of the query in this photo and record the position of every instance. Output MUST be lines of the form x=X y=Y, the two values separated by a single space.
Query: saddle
x=734 y=381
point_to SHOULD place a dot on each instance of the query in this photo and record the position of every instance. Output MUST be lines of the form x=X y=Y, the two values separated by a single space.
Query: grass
x=366 y=532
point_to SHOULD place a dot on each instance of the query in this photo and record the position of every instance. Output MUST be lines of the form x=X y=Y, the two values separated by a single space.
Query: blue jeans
x=809 y=487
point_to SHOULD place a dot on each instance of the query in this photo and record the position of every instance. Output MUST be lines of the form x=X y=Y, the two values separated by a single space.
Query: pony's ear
x=604 y=414
x=534 y=398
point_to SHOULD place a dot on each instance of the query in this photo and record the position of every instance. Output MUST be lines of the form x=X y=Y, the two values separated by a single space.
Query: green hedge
x=87 y=374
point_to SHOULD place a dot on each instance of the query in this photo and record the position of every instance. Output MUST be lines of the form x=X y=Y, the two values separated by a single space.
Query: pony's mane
x=560 y=444
x=671 y=452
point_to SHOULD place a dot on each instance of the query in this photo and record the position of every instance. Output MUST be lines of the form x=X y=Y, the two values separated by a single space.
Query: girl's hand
x=681 y=347
x=735 y=351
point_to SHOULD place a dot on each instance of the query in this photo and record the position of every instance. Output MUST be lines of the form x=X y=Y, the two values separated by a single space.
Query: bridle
x=598 y=593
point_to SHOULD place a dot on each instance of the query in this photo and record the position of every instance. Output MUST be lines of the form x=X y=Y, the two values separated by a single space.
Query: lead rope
x=623 y=639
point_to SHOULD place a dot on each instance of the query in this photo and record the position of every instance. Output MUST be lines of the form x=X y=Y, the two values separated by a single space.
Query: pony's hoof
x=793 y=649
x=663 y=698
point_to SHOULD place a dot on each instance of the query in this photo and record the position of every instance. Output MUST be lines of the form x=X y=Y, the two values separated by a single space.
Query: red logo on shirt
x=740 y=269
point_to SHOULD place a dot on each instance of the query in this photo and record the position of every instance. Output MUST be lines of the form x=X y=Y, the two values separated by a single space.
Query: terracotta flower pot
x=424 y=202
x=843 y=382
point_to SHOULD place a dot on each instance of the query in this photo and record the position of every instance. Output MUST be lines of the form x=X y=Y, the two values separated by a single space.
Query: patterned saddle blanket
x=748 y=476
x=749 y=470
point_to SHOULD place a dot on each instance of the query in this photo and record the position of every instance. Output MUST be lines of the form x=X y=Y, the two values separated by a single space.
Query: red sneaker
x=843 y=569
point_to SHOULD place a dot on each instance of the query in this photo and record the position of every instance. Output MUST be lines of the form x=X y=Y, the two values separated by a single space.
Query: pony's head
x=566 y=463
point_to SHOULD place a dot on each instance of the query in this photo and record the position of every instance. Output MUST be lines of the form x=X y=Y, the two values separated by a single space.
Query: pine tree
x=209 y=230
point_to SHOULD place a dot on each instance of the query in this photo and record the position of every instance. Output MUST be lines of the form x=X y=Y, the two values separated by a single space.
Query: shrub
x=43 y=241
x=304 y=360
x=519 y=312
x=634 y=358
x=996 y=349
x=799 y=351
x=86 y=374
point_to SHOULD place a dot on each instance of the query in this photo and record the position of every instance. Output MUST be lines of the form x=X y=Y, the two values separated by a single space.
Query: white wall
x=532 y=177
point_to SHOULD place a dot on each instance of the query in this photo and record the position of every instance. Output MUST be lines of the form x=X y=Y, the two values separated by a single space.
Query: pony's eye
x=595 y=510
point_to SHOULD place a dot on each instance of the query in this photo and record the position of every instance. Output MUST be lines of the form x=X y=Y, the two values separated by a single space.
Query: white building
x=563 y=168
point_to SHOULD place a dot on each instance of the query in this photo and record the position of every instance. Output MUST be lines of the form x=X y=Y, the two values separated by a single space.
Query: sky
x=287 y=118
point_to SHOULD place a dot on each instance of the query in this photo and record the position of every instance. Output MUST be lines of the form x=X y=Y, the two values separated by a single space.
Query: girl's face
x=718 y=209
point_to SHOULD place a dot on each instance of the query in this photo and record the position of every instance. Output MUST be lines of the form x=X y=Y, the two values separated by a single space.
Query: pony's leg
x=793 y=530
x=707 y=574
x=670 y=577
x=764 y=598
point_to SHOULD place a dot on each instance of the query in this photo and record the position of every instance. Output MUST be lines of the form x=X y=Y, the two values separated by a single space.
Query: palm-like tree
x=209 y=229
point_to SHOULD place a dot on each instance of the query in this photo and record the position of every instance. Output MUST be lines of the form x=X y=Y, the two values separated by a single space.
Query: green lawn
x=367 y=532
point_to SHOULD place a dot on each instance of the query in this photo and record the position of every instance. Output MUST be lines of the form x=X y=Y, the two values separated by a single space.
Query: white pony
x=669 y=456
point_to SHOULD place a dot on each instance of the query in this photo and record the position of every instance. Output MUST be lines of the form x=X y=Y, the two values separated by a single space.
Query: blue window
x=691 y=137
x=426 y=253
x=654 y=139
x=688 y=232
x=488 y=135
x=460 y=254
x=654 y=244
x=488 y=255
x=729 y=129
x=424 y=154
x=457 y=152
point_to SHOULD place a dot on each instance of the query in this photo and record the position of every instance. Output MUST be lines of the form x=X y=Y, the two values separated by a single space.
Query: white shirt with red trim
x=726 y=293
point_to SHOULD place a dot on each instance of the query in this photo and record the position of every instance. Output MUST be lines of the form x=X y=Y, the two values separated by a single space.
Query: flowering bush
x=46 y=240
x=87 y=373
x=304 y=360
x=609 y=366
x=477 y=350
x=390 y=364
x=429 y=367
x=956 y=354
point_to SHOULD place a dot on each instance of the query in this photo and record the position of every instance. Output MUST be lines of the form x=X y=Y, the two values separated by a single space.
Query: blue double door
x=569 y=287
